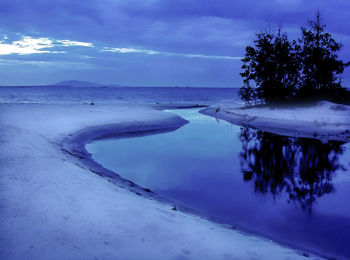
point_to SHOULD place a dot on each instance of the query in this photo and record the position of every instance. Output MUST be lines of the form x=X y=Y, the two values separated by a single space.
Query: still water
x=112 y=95
x=293 y=190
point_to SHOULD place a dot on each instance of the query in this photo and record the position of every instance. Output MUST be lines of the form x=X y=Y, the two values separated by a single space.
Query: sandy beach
x=324 y=120
x=52 y=201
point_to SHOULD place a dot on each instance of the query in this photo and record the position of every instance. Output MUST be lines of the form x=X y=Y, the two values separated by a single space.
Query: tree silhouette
x=321 y=67
x=300 y=167
x=273 y=67
x=277 y=70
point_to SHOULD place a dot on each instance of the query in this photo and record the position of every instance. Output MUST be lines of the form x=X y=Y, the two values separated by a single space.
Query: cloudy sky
x=147 y=42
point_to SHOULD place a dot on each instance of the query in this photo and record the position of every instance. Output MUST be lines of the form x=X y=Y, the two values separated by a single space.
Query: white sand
x=55 y=208
x=325 y=121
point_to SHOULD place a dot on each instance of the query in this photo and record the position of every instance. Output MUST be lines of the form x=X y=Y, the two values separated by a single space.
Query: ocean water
x=112 y=95
x=293 y=190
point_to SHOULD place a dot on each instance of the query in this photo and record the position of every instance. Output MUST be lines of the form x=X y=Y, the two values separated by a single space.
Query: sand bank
x=55 y=206
x=325 y=121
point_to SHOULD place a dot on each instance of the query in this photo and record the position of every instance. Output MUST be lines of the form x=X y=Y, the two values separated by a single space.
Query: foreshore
x=325 y=121
x=56 y=207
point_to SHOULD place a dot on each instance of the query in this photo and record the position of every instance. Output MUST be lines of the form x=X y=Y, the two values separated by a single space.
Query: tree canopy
x=277 y=70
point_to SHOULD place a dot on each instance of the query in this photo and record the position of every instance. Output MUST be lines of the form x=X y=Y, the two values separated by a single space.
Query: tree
x=321 y=68
x=277 y=70
x=273 y=67
x=248 y=94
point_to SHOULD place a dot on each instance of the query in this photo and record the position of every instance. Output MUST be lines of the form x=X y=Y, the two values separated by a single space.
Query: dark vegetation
x=277 y=70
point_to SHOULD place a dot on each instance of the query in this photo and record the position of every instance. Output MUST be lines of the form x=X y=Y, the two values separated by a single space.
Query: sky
x=148 y=42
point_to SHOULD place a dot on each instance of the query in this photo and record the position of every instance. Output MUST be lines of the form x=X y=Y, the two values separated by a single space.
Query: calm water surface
x=54 y=94
x=295 y=191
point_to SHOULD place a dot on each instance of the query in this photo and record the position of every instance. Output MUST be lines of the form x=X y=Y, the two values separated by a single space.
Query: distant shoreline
x=108 y=86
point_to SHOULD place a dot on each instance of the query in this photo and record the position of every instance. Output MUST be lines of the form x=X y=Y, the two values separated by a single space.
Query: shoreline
x=74 y=146
x=53 y=187
x=294 y=124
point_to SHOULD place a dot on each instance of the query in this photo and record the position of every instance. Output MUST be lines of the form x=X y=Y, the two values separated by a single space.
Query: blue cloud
x=175 y=36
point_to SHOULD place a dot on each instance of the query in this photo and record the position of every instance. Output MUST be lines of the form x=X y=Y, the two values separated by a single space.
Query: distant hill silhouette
x=77 y=83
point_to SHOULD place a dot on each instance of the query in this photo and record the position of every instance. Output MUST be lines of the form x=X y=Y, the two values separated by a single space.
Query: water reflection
x=198 y=167
x=301 y=167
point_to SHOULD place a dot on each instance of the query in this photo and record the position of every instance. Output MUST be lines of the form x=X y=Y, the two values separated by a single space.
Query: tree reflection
x=301 y=167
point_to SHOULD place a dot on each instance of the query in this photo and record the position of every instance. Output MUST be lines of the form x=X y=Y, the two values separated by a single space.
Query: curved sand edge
x=75 y=146
x=54 y=208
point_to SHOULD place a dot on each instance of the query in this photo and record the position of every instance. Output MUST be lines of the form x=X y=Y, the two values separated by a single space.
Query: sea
x=115 y=95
